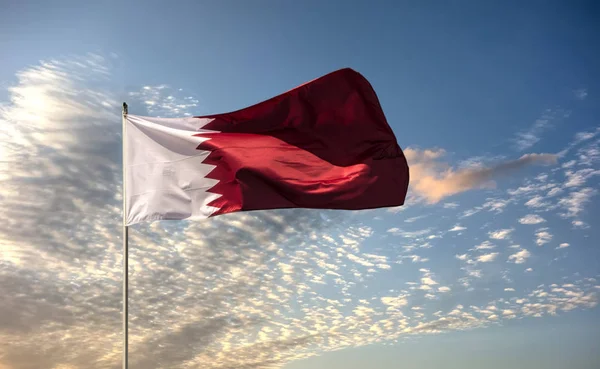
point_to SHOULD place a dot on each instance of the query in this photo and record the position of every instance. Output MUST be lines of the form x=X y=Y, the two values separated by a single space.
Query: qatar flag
x=323 y=145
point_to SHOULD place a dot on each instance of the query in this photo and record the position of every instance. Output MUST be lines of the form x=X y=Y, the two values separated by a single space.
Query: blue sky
x=492 y=263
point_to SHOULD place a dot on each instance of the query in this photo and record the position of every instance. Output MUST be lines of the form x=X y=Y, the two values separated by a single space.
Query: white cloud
x=530 y=188
x=500 y=234
x=590 y=154
x=409 y=234
x=509 y=289
x=470 y=212
x=581 y=137
x=543 y=236
x=555 y=191
x=575 y=202
x=444 y=289
x=496 y=205
x=376 y=258
x=578 y=224
x=532 y=219
x=520 y=256
x=536 y=202
x=509 y=314
x=414 y=219
x=485 y=245
x=457 y=228
x=563 y=245
x=164 y=101
x=415 y=258
x=579 y=177
x=394 y=302
x=529 y=270
x=462 y=257
x=450 y=205
x=428 y=281
x=528 y=138
x=359 y=260
x=488 y=257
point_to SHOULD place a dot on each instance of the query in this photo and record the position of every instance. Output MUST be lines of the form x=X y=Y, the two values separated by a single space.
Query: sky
x=493 y=261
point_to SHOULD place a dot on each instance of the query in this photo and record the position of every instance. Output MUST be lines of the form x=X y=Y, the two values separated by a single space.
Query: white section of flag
x=165 y=173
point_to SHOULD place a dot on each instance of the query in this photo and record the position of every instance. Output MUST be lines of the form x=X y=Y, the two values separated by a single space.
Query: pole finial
x=125 y=108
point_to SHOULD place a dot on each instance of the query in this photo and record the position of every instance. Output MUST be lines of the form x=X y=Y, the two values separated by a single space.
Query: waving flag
x=323 y=145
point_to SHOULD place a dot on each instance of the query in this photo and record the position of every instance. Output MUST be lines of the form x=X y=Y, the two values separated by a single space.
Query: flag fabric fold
x=323 y=145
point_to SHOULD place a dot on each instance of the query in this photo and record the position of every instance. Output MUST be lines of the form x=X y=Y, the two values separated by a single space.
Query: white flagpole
x=125 y=252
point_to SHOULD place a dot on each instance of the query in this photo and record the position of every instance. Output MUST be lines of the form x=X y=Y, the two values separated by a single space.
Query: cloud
x=485 y=245
x=164 y=101
x=528 y=138
x=414 y=219
x=409 y=234
x=434 y=180
x=428 y=281
x=579 y=138
x=542 y=236
x=532 y=219
x=457 y=228
x=578 y=178
x=63 y=180
x=575 y=202
x=394 y=302
x=536 y=202
x=246 y=290
x=563 y=245
x=580 y=93
x=462 y=257
x=359 y=260
x=520 y=256
x=579 y=224
x=501 y=234
x=487 y=258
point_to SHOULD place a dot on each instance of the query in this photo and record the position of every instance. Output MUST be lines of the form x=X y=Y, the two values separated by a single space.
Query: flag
x=323 y=145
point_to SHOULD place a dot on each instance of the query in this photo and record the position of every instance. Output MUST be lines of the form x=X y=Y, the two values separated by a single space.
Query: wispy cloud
x=526 y=139
x=414 y=219
x=579 y=138
x=165 y=101
x=434 y=180
x=537 y=202
x=574 y=203
x=410 y=234
x=580 y=93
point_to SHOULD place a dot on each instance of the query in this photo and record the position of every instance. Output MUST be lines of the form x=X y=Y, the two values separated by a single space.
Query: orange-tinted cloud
x=433 y=179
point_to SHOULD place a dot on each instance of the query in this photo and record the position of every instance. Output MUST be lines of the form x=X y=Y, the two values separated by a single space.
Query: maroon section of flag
x=325 y=144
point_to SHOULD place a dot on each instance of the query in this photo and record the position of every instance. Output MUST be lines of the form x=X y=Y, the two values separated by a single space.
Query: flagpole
x=125 y=253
